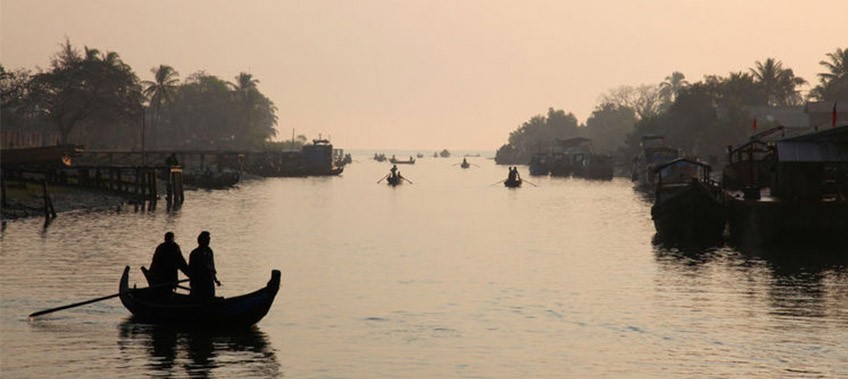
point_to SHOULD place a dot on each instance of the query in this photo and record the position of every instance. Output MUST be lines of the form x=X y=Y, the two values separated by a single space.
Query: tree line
x=94 y=98
x=701 y=118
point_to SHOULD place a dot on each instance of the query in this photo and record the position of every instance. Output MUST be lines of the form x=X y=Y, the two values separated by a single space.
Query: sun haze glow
x=430 y=74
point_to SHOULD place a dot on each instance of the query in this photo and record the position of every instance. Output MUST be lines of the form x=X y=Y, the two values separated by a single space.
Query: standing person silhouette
x=201 y=267
x=167 y=260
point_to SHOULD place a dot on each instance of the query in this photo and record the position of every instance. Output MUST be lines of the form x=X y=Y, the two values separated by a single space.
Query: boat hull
x=183 y=310
x=692 y=213
x=512 y=183
x=763 y=222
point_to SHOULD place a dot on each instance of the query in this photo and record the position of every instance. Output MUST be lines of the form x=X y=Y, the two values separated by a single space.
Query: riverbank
x=26 y=200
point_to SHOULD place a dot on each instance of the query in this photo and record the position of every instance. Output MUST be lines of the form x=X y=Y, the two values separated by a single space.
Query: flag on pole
x=833 y=116
x=755 y=124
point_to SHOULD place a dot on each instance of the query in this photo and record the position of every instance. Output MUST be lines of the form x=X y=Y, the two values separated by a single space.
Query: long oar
x=404 y=178
x=51 y=310
x=527 y=181
x=498 y=182
x=384 y=178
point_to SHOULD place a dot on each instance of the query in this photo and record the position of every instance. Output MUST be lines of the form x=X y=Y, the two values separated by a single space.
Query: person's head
x=169 y=237
x=203 y=239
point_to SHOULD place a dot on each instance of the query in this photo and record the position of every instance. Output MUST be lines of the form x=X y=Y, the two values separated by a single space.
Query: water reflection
x=794 y=282
x=200 y=354
x=804 y=279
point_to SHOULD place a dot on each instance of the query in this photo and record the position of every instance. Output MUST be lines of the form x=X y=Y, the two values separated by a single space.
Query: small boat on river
x=394 y=160
x=183 y=310
x=394 y=180
x=513 y=183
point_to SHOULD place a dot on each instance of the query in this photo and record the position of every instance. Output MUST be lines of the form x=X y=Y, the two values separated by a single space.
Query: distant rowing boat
x=395 y=161
x=512 y=183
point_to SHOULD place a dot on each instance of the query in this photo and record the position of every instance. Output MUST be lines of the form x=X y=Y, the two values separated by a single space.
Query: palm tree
x=778 y=84
x=672 y=85
x=245 y=90
x=833 y=85
x=161 y=90
x=244 y=83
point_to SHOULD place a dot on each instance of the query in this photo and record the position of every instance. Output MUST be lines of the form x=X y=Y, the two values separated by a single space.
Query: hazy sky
x=430 y=74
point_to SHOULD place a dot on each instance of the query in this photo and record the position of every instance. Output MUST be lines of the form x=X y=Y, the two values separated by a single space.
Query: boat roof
x=830 y=145
x=680 y=161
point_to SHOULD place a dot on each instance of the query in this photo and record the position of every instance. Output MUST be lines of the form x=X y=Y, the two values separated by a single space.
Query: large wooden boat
x=689 y=207
x=183 y=310
x=792 y=190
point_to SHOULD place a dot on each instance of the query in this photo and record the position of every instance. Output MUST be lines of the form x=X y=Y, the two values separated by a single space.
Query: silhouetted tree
x=671 y=86
x=537 y=134
x=608 y=126
x=86 y=89
x=159 y=92
x=833 y=84
x=777 y=84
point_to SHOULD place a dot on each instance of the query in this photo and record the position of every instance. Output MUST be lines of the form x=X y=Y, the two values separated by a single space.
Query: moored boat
x=183 y=310
x=394 y=160
x=689 y=207
x=654 y=153
x=792 y=190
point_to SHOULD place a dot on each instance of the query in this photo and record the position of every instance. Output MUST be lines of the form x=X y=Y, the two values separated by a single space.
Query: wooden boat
x=394 y=160
x=210 y=180
x=789 y=191
x=465 y=164
x=183 y=310
x=654 y=153
x=514 y=183
x=394 y=180
x=688 y=207
x=540 y=164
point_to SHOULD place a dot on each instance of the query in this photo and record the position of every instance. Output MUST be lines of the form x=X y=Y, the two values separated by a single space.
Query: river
x=451 y=275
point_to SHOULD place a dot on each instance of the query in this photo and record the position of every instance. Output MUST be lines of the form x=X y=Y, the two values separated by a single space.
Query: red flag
x=755 y=124
x=833 y=116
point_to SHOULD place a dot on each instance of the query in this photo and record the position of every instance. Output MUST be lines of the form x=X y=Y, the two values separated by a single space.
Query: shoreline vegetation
x=701 y=118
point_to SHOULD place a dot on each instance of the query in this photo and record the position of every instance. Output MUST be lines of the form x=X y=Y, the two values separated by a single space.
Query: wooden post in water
x=178 y=186
x=169 y=190
x=152 y=190
x=3 y=189
x=48 y=204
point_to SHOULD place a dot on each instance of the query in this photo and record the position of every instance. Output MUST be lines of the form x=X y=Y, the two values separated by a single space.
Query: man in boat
x=394 y=171
x=167 y=260
x=201 y=267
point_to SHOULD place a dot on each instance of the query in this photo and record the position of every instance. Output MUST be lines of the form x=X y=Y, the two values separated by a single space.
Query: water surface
x=452 y=276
